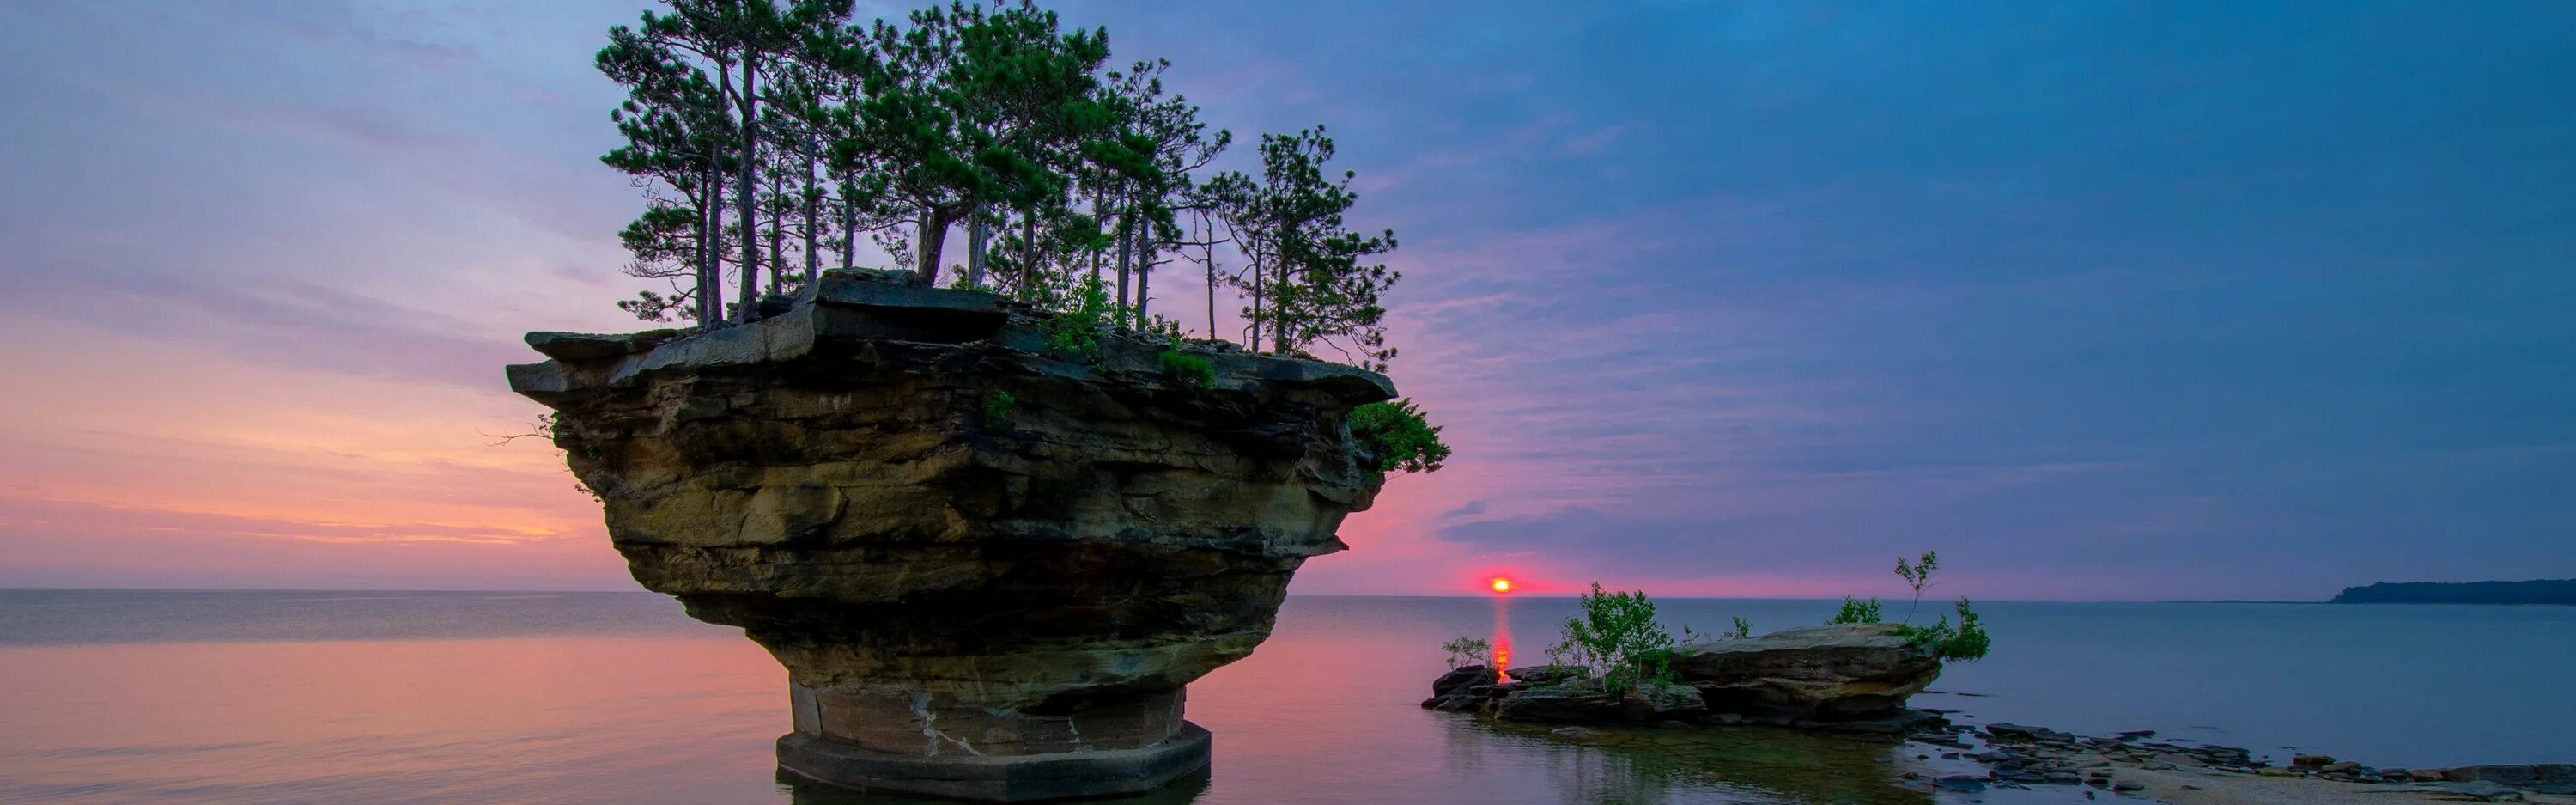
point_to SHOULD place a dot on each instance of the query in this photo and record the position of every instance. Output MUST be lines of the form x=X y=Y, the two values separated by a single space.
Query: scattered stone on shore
x=2030 y=755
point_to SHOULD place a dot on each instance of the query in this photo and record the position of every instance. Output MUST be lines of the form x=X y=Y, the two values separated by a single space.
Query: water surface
x=125 y=696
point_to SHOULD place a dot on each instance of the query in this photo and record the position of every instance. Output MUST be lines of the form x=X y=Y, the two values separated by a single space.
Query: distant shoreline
x=2560 y=592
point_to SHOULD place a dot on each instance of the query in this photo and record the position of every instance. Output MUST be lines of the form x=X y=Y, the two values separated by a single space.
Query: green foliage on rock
x=1195 y=370
x=1398 y=435
x=1966 y=642
x=998 y=406
x=1617 y=637
x=1858 y=611
x=1467 y=651
x=1917 y=575
x=761 y=129
x=1075 y=330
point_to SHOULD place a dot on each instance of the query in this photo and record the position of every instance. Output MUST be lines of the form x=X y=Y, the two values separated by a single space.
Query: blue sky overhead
x=2102 y=300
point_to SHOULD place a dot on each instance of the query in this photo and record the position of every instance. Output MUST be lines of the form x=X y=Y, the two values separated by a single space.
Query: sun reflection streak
x=1502 y=637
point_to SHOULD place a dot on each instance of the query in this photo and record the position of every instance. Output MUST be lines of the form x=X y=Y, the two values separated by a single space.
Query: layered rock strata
x=1812 y=674
x=990 y=564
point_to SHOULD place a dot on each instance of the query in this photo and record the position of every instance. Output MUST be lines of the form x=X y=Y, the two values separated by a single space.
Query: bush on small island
x=1966 y=642
x=1618 y=638
x=1858 y=611
x=1467 y=651
x=1917 y=575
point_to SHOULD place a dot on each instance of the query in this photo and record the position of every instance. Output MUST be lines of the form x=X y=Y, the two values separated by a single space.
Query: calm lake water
x=275 y=697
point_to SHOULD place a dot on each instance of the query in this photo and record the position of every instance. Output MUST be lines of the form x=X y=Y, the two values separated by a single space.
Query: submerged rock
x=1662 y=701
x=961 y=543
x=2546 y=778
x=1815 y=674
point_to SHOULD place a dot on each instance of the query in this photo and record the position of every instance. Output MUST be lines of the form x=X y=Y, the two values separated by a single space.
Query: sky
x=2131 y=301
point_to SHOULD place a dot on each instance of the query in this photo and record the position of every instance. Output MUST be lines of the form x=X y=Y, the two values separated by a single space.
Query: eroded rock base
x=1015 y=778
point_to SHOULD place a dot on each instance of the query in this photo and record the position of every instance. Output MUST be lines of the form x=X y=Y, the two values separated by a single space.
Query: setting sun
x=1502 y=585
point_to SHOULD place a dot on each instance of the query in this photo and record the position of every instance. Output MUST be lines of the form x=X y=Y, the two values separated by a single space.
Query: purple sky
x=2155 y=300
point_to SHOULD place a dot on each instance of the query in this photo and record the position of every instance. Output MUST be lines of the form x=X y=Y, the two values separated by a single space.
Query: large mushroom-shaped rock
x=989 y=566
x=1814 y=674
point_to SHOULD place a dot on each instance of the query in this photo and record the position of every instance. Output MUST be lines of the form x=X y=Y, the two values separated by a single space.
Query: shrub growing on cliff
x=1617 y=637
x=1398 y=435
x=1075 y=330
x=1195 y=370
x=998 y=407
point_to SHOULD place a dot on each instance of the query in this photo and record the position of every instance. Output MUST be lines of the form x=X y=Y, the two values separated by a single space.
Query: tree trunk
x=777 y=244
x=1208 y=233
x=934 y=233
x=975 y=235
x=710 y=222
x=1279 y=309
x=750 y=106
x=813 y=243
x=1144 y=285
x=1127 y=251
x=1028 y=253
x=849 y=224
x=1096 y=219
x=1253 y=342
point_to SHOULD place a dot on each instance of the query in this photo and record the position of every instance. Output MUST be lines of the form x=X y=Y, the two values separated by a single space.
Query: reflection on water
x=1502 y=639
x=801 y=791
x=145 y=697
x=1707 y=764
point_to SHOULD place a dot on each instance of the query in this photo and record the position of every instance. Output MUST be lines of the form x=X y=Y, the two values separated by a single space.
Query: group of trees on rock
x=770 y=137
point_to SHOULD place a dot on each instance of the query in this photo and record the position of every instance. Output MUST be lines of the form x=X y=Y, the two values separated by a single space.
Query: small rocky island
x=1852 y=677
x=990 y=568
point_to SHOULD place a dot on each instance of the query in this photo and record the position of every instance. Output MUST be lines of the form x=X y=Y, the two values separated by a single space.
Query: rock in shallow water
x=1816 y=673
x=960 y=544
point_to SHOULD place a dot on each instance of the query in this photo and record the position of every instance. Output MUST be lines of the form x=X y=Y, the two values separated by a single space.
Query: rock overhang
x=959 y=542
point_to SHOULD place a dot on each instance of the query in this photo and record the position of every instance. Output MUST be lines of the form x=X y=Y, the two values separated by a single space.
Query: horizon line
x=1470 y=596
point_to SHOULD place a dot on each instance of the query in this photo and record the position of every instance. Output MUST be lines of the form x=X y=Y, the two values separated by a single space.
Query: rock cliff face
x=964 y=546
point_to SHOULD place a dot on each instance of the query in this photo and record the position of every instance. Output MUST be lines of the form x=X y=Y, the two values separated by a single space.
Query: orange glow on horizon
x=1502 y=585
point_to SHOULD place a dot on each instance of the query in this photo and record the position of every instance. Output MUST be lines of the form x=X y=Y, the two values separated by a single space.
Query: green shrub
x=1857 y=611
x=1743 y=628
x=1967 y=642
x=1399 y=436
x=1194 y=370
x=1618 y=638
x=1917 y=575
x=998 y=406
x=1075 y=329
x=1467 y=651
